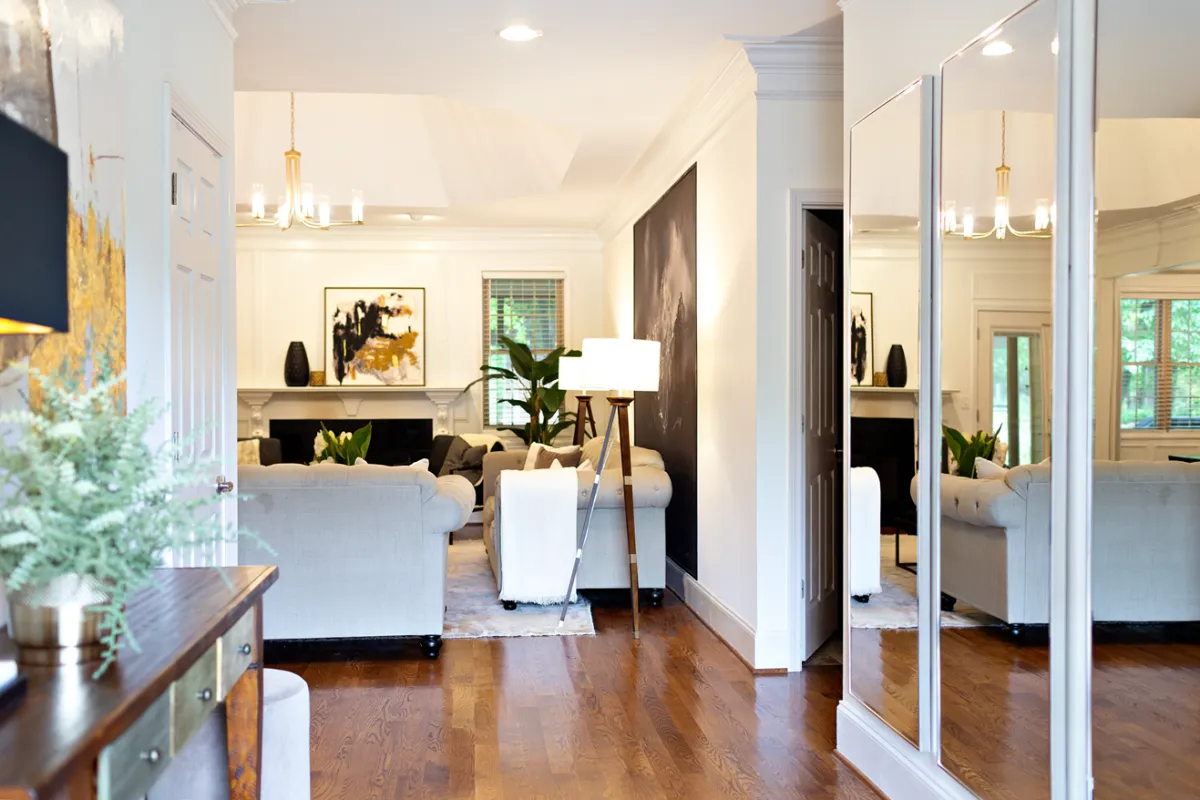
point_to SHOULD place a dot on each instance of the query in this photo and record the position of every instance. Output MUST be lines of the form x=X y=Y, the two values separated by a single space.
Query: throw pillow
x=555 y=464
x=534 y=449
x=469 y=465
x=421 y=464
x=454 y=456
x=587 y=464
x=547 y=457
x=989 y=471
x=248 y=452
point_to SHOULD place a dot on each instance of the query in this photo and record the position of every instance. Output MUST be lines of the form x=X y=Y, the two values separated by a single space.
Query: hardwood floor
x=996 y=712
x=675 y=715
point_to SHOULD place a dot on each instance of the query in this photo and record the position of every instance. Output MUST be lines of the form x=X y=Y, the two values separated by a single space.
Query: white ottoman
x=864 y=533
x=285 y=770
x=201 y=770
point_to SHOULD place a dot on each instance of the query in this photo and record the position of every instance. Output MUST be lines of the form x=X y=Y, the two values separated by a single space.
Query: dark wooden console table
x=75 y=738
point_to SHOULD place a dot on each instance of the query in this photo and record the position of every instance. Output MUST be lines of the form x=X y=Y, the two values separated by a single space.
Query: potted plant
x=90 y=510
x=542 y=400
x=345 y=448
x=964 y=451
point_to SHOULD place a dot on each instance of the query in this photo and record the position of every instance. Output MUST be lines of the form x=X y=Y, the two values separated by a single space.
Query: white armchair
x=864 y=534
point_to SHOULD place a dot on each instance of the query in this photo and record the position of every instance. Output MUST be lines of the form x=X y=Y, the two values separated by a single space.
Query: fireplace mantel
x=351 y=399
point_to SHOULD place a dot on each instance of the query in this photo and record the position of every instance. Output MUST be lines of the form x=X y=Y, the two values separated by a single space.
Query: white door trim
x=799 y=201
x=177 y=107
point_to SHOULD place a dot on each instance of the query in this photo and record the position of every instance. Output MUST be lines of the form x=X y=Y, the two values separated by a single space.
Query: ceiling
x=606 y=77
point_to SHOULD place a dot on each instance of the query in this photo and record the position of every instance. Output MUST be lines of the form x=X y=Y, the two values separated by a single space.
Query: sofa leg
x=1016 y=630
x=948 y=602
x=656 y=598
x=510 y=605
x=431 y=646
x=861 y=598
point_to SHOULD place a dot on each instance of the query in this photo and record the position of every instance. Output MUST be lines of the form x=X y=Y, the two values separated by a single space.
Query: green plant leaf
x=522 y=357
x=361 y=440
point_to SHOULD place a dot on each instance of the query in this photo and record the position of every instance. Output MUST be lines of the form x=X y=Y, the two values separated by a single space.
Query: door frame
x=982 y=388
x=799 y=201
x=176 y=107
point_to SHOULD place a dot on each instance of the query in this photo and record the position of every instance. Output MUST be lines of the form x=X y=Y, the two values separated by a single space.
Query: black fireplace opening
x=888 y=446
x=394 y=442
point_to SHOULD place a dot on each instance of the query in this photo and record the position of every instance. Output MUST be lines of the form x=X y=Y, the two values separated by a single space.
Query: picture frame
x=862 y=338
x=374 y=336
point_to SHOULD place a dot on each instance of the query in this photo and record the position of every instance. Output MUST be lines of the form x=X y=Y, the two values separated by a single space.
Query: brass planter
x=51 y=623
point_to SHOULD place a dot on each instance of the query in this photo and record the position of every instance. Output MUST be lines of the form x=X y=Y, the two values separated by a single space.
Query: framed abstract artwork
x=862 y=337
x=374 y=337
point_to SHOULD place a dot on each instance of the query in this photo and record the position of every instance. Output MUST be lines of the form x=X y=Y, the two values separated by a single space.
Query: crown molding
x=844 y=5
x=224 y=9
x=560 y=241
x=797 y=67
x=678 y=145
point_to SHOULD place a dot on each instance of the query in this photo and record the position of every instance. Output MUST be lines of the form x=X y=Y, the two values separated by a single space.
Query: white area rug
x=896 y=606
x=474 y=611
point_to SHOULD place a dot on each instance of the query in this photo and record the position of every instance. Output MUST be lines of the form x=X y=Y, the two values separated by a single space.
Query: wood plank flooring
x=674 y=715
x=996 y=712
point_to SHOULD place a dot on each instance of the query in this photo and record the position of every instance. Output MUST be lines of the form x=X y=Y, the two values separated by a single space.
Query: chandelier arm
x=1030 y=234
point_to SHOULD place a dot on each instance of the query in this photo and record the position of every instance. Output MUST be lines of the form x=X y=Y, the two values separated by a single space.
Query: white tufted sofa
x=1145 y=554
x=605 y=563
x=361 y=550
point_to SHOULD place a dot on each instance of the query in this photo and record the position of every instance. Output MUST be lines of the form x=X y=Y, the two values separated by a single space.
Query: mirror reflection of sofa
x=1145 y=555
x=605 y=563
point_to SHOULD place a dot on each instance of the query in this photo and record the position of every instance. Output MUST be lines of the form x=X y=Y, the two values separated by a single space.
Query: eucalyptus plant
x=84 y=493
x=538 y=379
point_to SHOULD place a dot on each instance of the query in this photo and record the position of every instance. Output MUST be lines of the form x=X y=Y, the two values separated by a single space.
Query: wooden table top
x=66 y=717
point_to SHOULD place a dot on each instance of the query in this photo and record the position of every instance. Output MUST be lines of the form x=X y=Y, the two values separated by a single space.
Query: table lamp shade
x=626 y=365
x=34 y=196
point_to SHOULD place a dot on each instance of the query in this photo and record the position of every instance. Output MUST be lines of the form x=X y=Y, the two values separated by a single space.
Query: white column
x=256 y=401
x=444 y=400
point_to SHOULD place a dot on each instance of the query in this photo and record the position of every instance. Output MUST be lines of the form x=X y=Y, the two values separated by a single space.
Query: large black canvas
x=664 y=309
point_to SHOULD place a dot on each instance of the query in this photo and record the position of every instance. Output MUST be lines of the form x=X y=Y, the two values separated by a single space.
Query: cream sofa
x=605 y=563
x=1145 y=554
x=361 y=550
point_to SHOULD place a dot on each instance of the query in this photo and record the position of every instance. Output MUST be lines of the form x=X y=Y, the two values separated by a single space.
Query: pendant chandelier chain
x=293 y=120
x=1003 y=138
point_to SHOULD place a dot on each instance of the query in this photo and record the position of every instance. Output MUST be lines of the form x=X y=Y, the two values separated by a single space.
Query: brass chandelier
x=1043 y=214
x=299 y=205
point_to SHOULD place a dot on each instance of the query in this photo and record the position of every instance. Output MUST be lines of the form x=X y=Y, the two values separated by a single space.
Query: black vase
x=897 y=367
x=295 y=366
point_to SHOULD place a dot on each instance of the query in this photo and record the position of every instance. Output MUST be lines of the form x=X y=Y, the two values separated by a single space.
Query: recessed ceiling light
x=519 y=33
x=997 y=48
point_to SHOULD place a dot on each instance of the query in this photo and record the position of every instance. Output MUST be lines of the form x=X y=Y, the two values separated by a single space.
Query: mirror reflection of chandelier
x=1043 y=214
x=299 y=205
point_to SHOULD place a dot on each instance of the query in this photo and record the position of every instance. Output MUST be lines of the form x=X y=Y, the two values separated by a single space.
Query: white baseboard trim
x=889 y=761
x=736 y=632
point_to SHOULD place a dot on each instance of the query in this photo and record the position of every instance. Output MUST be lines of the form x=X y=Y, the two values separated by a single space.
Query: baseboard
x=730 y=628
x=888 y=761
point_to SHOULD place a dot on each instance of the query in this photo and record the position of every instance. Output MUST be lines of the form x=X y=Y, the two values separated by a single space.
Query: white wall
x=282 y=277
x=184 y=43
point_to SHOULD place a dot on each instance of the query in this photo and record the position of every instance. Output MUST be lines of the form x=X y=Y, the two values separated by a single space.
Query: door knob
x=224 y=486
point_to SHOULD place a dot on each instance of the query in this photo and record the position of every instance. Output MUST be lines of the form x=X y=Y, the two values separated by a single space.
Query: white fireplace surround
x=257 y=407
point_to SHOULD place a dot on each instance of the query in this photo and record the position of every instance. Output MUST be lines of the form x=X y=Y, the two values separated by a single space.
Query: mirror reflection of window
x=1018 y=403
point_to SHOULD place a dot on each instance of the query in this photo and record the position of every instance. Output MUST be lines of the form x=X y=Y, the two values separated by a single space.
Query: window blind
x=1160 y=364
x=528 y=310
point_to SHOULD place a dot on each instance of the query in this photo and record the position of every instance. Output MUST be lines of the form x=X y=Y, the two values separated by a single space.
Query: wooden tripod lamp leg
x=584 y=413
x=622 y=404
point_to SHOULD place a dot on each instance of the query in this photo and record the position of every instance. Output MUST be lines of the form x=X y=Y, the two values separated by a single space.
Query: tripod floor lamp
x=573 y=378
x=624 y=366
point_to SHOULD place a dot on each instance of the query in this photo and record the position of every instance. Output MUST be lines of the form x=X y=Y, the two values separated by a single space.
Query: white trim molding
x=423 y=240
x=224 y=9
x=724 y=621
x=797 y=68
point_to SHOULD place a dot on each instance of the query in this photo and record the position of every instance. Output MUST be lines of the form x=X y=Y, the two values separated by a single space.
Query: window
x=528 y=310
x=1160 y=364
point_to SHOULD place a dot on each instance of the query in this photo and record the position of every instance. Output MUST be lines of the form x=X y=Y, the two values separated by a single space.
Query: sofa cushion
x=453 y=456
x=651 y=488
x=292 y=476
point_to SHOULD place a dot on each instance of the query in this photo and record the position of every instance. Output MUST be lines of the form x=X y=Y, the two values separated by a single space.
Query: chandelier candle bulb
x=258 y=202
x=1041 y=215
x=325 y=211
x=306 y=202
x=968 y=222
x=949 y=218
x=356 y=206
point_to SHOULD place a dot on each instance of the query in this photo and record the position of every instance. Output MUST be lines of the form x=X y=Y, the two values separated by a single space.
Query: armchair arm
x=494 y=463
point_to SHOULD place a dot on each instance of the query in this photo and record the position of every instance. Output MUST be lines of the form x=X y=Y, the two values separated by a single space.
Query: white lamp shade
x=625 y=365
x=572 y=374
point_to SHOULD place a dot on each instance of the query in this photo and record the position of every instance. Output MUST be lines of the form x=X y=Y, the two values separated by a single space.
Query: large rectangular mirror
x=884 y=273
x=1146 y=479
x=997 y=220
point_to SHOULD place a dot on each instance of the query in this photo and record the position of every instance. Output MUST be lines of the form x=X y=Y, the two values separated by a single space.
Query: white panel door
x=198 y=340
x=823 y=369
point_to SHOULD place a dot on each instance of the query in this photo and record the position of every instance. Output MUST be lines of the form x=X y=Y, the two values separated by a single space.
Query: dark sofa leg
x=861 y=598
x=510 y=605
x=656 y=598
x=948 y=602
x=431 y=646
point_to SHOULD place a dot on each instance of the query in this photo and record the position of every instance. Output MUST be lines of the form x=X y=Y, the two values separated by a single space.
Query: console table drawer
x=237 y=652
x=134 y=761
x=193 y=697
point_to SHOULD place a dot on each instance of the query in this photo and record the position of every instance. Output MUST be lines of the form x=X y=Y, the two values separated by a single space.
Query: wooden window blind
x=1160 y=364
x=528 y=310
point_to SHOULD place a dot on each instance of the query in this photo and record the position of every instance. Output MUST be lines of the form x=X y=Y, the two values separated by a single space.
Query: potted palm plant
x=541 y=398
x=90 y=510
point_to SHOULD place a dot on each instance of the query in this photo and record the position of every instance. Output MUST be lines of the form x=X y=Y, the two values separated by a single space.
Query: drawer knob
x=205 y=695
x=152 y=755
x=244 y=649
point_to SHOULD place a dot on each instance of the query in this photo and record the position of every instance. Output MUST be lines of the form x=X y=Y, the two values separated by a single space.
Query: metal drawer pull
x=244 y=649
x=205 y=695
x=152 y=755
